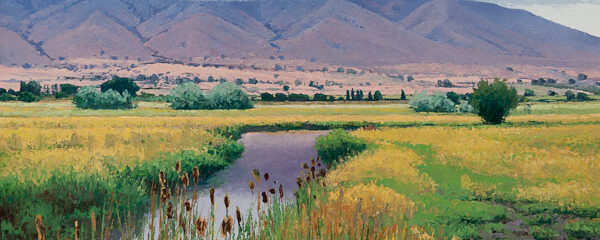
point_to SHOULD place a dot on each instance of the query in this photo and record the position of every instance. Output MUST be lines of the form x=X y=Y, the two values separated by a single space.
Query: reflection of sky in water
x=279 y=154
x=578 y=14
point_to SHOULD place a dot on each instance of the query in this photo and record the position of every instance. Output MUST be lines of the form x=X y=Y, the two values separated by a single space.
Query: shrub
x=465 y=107
x=319 y=97
x=68 y=89
x=572 y=81
x=280 y=97
x=570 y=95
x=228 y=96
x=582 y=76
x=583 y=229
x=582 y=96
x=529 y=93
x=377 y=96
x=90 y=98
x=551 y=93
x=2 y=91
x=338 y=144
x=7 y=97
x=28 y=97
x=298 y=97
x=120 y=85
x=187 y=96
x=494 y=101
x=543 y=233
x=267 y=97
x=422 y=102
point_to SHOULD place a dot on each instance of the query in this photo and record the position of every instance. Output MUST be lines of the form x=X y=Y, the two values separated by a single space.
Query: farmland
x=422 y=175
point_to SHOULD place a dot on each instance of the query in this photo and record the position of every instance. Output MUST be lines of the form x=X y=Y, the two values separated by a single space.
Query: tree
x=2 y=90
x=90 y=98
x=493 y=102
x=32 y=87
x=286 y=88
x=252 y=81
x=120 y=85
x=551 y=93
x=377 y=96
x=186 y=96
x=347 y=94
x=228 y=96
x=572 y=81
x=370 y=96
x=239 y=81
x=28 y=97
x=581 y=77
x=298 y=97
x=352 y=96
x=454 y=97
x=68 y=89
x=402 y=95
x=319 y=97
x=529 y=93
x=280 y=97
x=570 y=95
x=267 y=97
x=582 y=96
x=4 y=97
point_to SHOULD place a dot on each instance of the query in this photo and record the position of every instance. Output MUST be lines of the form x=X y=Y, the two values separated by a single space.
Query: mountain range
x=350 y=32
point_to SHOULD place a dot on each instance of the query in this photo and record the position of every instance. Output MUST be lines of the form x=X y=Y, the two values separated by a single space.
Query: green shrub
x=465 y=107
x=90 y=98
x=582 y=96
x=28 y=97
x=7 y=97
x=338 y=144
x=120 y=85
x=228 y=96
x=570 y=95
x=68 y=89
x=319 y=97
x=542 y=233
x=267 y=97
x=280 y=97
x=529 y=93
x=494 y=101
x=583 y=229
x=298 y=97
x=377 y=96
x=422 y=102
x=187 y=96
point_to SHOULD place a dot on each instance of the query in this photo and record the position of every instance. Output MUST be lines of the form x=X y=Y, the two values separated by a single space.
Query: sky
x=583 y=15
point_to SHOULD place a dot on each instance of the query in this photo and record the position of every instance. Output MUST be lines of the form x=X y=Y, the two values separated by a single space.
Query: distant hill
x=353 y=32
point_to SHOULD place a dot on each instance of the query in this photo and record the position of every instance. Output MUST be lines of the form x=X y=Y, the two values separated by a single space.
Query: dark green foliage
x=347 y=94
x=572 y=81
x=298 y=97
x=552 y=93
x=60 y=95
x=187 y=96
x=252 y=81
x=267 y=97
x=32 y=87
x=338 y=144
x=410 y=78
x=68 y=89
x=2 y=91
x=28 y=97
x=543 y=233
x=319 y=97
x=239 y=81
x=377 y=96
x=583 y=229
x=286 y=88
x=582 y=96
x=280 y=97
x=570 y=95
x=340 y=70
x=228 y=96
x=7 y=97
x=493 y=102
x=529 y=93
x=149 y=97
x=402 y=95
x=454 y=97
x=370 y=96
x=90 y=98
x=120 y=85
x=351 y=71
x=582 y=77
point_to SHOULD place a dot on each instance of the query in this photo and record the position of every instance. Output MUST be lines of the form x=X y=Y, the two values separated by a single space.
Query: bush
x=570 y=95
x=543 y=233
x=68 y=89
x=228 y=96
x=120 y=85
x=298 y=97
x=90 y=98
x=572 y=81
x=2 y=91
x=7 y=97
x=551 y=93
x=377 y=96
x=28 y=97
x=267 y=97
x=422 y=102
x=465 y=107
x=529 y=93
x=338 y=144
x=582 y=96
x=583 y=229
x=319 y=97
x=187 y=96
x=280 y=97
x=494 y=101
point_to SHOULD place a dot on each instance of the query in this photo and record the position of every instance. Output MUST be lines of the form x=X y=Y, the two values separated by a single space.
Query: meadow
x=421 y=175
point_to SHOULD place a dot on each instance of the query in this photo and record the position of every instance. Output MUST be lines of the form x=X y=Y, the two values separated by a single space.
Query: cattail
x=299 y=182
x=93 y=220
x=272 y=190
x=265 y=198
x=267 y=176
x=39 y=226
x=212 y=196
x=170 y=211
x=318 y=164
x=195 y=195
x=238 y=215
x=196 y=175
x=322 y=173
x=226 y=201
x=305 y=165
x=76 y=231
x=226 y=226
x=280 y=191
x=188 y=206
x=177 y=167
x=312 y=161
x=201 y=226
x=229 y=224
x=165 y=195
x=256 y=175
x=251 y=186
x=185 y=180
x=312 y=170
x=161 y=178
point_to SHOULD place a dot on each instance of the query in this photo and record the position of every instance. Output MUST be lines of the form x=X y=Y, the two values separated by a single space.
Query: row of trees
x=281 y=97
x=189 y=96
x=358 y=95
x=33 y=91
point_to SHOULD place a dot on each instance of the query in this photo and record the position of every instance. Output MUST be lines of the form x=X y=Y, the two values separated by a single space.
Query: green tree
x=377 y=96
x=370 y=96
x=582 y=96
x=286 y=88
x=28 y=97
x=347 y=94
x=570 y=95
x=319 y=97
x=228 y=96
x=280 y=97
x=187 y=96
x=68 y=89
x=120 y=85
x=529 y=93
x=493 y=101
x=422 y=102
x=32 y=87
x=454 y=97
x=4 y=97
x=402 y=95
x=267 y=97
